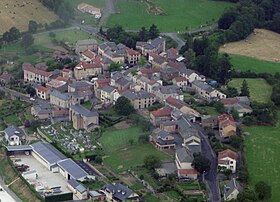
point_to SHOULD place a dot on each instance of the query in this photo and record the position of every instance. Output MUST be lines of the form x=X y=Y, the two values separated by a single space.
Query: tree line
x=240 y=21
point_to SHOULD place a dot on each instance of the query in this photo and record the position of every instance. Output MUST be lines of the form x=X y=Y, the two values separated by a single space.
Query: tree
x=143 y=34
x=275 y=96
x=151 y=162
x=114 y=67
x=263 y=190
x=224 y=69
x=219 y=106
x=236 y=141
x=245 y=89
x=27 y=124
x=231 y=92
x=226 y=20
x=32 y=26
x=12 y=35
x=31 y=91
x=153 y=31
x=201 y=163
x=27 y=40
x=123 y=106
x=234 y=113
x=247 y=195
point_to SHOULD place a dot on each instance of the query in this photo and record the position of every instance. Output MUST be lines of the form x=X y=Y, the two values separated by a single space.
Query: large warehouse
x=52 y=159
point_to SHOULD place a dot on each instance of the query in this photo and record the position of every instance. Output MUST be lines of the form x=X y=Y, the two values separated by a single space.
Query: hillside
x=17 y=13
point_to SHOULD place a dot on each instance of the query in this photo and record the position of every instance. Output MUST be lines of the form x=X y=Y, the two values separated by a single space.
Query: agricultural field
x=260 y=90
x=262 y=45
x=262 y=156
x=244 y=64
x=14 y=13
x=169 y=16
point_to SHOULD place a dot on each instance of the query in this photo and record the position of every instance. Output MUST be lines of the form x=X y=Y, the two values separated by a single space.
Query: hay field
x=264 y=45
x=17 y=13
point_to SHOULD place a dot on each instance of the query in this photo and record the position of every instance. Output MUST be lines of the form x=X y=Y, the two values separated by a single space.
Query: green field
x=260 y=90
x=244 y=63
x=113 y=139
x=262 y=156
x=176 y=14
x=132 y=156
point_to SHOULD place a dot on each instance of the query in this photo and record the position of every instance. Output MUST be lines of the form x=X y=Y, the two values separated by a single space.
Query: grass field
x=260 y=90
x=14 y=13
x=264 y=45
x=124 y=159
x=244 y=63
x=113 y=139
x=172 y=16
x=262 y=156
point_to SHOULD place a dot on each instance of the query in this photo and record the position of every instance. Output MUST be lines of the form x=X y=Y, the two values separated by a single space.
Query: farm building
x=86 y=8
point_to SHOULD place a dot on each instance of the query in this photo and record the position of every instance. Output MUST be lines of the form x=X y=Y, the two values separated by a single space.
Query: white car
x=32 y=99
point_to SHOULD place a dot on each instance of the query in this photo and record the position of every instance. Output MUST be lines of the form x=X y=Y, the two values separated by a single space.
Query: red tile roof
x=180 y=79
x=42 y=89
x=161 y=112
x=32 y=69
x=229 y=101
x=96 y=64
x=175 y=102
x=187 y=171
x=131 y=51
x=60 y=78
x=172 y=51
x=225 y=117
x=150 y=71
x=227 y=153
x=66 y=70
x=89 y=54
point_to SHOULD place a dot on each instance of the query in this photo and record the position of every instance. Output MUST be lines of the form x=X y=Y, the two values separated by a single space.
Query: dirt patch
x=120 y=167
x=122 y=125
x=14 y=13
x=154 y=9
x=262 y=44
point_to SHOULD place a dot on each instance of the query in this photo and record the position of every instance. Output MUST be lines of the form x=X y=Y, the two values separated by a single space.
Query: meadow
x=260 y=90
x=244 y=63
x=262 y=156
x=14 y=13
x=169 y=16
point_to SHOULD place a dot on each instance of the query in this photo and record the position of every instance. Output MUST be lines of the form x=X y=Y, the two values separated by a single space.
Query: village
x=72 y=106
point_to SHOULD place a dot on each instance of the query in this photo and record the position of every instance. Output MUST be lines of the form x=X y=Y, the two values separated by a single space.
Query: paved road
x=174 y=36
x=210 y=177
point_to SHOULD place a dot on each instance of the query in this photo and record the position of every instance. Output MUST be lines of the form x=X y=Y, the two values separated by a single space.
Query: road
x=211 y=176
x=174 y=36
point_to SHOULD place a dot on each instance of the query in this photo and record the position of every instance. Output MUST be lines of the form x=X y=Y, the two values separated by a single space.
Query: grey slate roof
x=137 y=95
x=184 y=155
x=48 y=152
x=119 y=191
x=83 y=111
x=43 y=109
x=160 y=133
x=62 y=96
x=79 y=84
x=76 y=185
x=171 y=89
x=72 y=169
x=86 y=42
x=156 y=42
x=13 y=130
x=19 y=148
x=231 y=186
x=203 y=86
x=108 y=89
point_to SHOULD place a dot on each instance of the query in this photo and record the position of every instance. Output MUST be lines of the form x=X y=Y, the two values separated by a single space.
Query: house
x=149 y=72
x=120 y=81
x=152 y=46
x=167 y=74
x=58 y=84
x=87 y=44
x=160 y=115
x=109 y=94
x=180 y=81
x=163 y=140
x=163 y=92
x=62 y=100
x=81 y=89
x=240 y=104
x=82 y=118
x=191 y=140
x=132 y=56
x=14 y=135
x=141 y=99
x=32 y=74
x=209 y=121
x=96 y=196
x=227 y=125
x=42 y=92
x=231 y=190
x=190 y=75
x=87 y=56
x=170 y=54
x=41 y=112
x=5 y=78
x=181 y=106
x=67 y=73
x=227 y=160
x=183 y=160
x=157 y=61
x=85 y=70
x=100 y=83
x=117 y=192
x=78 y=189
x=206 y=91
x=86 y=8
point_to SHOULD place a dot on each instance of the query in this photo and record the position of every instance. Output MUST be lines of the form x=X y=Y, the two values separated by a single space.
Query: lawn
x=207 y=110
x=173 y=194
x=244 y=63
x=171 y=16
x=132 y=156
x=113 y=139
x=262 y=156
x=260 y=90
